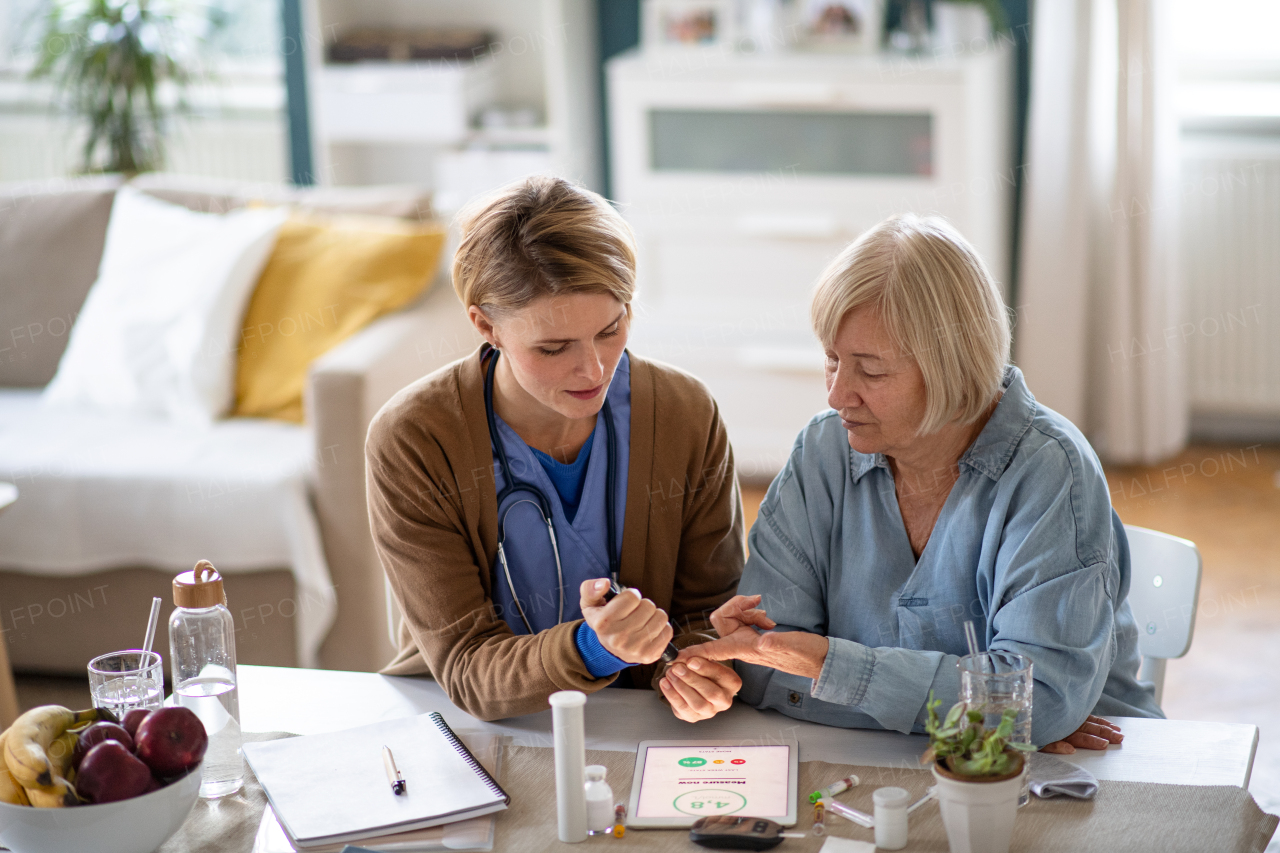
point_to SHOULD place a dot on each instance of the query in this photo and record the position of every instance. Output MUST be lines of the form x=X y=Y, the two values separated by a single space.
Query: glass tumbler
x=993 y=681
x=122 y=681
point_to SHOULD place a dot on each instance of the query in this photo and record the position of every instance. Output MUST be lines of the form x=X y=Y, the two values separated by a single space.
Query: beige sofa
x=51 y=239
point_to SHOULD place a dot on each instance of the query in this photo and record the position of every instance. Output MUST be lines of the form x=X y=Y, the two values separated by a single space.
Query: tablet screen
x=697 y=781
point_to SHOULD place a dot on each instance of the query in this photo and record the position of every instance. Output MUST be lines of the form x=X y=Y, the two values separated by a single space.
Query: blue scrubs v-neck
x=583 y=542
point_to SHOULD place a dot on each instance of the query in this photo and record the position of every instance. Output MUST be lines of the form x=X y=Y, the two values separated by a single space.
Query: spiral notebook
x=332 y=787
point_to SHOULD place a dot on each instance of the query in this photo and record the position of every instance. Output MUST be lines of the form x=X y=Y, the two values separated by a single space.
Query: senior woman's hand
x=1094 y=733
x=797 y=652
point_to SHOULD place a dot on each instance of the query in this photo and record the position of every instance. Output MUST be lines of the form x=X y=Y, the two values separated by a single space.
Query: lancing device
x=398 y=785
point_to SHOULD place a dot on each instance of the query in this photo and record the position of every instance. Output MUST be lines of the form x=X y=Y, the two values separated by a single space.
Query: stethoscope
x=539 y=499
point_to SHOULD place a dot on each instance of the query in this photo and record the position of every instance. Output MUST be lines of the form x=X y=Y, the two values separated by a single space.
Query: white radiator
x=1231 y=273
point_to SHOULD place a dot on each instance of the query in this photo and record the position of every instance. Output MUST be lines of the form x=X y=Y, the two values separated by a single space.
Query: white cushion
x=100 y=490
x=159 y=331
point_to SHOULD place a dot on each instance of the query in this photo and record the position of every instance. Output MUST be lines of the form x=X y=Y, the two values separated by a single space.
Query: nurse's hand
x=631 y=628
x=698 y=688
x=797 y=652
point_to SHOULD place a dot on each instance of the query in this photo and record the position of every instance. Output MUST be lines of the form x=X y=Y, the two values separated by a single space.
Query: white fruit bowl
x=138 y=825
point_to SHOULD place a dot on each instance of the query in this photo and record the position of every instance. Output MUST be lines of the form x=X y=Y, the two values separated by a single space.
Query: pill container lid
x=201 y=587
x=890 y=797
x=596 y=772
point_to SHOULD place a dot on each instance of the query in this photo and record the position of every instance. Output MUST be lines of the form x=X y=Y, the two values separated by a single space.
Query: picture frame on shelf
x=689 y=25
x=852 y=26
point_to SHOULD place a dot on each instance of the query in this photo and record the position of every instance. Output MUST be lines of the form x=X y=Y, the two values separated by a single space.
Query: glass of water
x=122 y=681
x=990 y=682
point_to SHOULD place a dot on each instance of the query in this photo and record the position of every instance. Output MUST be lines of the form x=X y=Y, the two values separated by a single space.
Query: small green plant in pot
x=979 y=775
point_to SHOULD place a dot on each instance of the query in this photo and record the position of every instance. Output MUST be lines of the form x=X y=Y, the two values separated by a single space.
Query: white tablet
x=678 y=781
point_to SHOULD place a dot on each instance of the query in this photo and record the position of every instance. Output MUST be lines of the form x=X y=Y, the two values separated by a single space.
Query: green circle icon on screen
x=709 y=801
x=692 y=761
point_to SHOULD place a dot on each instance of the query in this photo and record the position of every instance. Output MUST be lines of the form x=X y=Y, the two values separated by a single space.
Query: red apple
x=171 y=741
x=110 y=772
x=154 y=785
x=96 y=734
x=133 y=719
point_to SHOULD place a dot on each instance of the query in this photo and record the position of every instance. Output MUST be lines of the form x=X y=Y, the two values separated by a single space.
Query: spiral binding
x=461 y=749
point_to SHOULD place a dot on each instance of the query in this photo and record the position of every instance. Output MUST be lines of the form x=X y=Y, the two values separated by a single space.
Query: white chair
x=1164 y=592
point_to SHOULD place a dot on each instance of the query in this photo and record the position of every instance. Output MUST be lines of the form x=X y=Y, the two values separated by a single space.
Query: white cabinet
x=743 y=176
x=417 y=122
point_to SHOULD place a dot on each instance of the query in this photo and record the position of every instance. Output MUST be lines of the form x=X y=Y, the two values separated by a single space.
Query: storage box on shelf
x=744 y=175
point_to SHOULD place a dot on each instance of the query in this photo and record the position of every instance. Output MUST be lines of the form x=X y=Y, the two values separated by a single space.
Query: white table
x=309 y=701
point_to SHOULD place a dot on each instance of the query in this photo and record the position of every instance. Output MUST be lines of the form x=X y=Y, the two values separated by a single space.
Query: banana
x=60 y=794
x=27 y=744
x=10 y=791
x=60 y=752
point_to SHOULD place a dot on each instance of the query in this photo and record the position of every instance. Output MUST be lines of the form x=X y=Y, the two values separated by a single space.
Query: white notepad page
x=333 y=787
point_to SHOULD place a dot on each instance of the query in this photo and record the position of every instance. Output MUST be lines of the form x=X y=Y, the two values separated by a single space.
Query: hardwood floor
x=1226 y=499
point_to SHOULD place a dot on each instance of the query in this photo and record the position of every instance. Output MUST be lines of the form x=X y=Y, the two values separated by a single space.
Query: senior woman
x=508 y=490
x=936 y=491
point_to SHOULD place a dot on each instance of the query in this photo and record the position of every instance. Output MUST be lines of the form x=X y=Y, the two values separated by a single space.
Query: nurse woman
x=511 y=492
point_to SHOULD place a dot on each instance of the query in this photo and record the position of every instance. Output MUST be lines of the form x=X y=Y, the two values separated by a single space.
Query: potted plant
x=110 y=58
x=979 y=775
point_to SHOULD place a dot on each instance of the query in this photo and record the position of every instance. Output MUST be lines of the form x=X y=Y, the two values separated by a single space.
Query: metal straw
x=151 y=624
x=971 y=637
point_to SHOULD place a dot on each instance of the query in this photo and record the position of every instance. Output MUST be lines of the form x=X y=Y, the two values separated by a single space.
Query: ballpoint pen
x=393 y=773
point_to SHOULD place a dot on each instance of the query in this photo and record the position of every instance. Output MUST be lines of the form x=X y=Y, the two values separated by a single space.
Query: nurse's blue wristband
x=599 y=660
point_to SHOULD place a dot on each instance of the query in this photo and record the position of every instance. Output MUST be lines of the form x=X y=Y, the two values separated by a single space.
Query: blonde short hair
x=938 y=303
x=542 y=236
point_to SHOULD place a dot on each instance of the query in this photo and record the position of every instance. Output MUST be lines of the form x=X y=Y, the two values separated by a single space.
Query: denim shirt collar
x=993 y=448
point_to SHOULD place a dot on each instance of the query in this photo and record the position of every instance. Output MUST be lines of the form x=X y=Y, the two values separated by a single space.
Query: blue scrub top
x=583 y=541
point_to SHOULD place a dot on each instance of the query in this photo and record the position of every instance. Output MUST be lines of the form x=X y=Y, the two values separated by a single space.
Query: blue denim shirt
x=1026 y=545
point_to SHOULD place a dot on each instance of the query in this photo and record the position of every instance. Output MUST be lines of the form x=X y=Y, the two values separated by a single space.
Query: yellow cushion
x=327 y=278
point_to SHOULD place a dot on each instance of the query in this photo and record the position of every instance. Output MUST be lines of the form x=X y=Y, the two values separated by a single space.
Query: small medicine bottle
x=891 y=817
x=599 y=800
x=202 y=652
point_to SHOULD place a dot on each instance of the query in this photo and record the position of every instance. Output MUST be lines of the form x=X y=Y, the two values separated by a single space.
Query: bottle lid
x=198 y=588
x=595 y=772
x=891 y=797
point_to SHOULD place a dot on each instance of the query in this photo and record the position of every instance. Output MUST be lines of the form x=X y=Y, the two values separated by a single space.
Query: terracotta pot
x=978 y=812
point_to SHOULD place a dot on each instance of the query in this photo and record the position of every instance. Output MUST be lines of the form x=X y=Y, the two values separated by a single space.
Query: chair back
x=1164 y=591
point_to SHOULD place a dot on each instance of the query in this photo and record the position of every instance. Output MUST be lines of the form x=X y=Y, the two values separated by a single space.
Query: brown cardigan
x=433 y=510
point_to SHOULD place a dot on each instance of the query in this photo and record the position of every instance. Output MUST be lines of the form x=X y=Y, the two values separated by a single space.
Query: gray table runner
x=228 y=824
x=1125 y=816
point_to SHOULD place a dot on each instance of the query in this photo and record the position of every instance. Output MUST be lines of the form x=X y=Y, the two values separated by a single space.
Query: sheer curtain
x=1097 y=331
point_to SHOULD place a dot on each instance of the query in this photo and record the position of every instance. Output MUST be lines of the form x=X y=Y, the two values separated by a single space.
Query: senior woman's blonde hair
x=541 y=236
x=939 y=304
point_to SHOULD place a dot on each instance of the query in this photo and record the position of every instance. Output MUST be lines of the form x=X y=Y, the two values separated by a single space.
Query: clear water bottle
x=202 y=652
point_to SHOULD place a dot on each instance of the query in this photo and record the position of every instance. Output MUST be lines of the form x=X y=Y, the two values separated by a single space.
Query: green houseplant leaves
x=966 y=747
x=110 y=57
